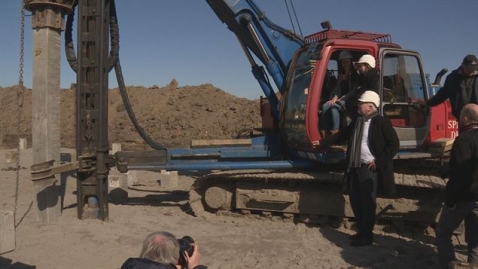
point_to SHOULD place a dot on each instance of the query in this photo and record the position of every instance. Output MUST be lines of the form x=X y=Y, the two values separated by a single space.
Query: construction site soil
x=174 y=116
x=170 y=115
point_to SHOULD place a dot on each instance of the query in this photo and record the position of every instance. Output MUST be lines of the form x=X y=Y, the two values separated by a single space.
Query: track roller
x=220 y=196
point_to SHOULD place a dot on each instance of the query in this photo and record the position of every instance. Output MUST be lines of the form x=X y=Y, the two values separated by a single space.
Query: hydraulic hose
x=69 y=46
x=129 y=110
x=114 y=36
x=113 y=61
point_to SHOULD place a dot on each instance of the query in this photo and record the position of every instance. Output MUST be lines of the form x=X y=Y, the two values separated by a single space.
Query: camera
x=185 y=246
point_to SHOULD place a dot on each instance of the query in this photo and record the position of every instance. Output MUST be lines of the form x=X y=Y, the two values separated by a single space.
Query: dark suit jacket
x=463 y=183
x=383 y=143
x=139 y=263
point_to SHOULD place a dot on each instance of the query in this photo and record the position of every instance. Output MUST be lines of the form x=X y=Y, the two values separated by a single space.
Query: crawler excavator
x=276 y=171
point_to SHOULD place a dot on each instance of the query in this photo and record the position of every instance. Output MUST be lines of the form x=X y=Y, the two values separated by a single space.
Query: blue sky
x=183 y=39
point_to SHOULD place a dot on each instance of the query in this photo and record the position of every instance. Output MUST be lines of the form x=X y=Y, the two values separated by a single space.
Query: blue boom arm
x=273 y=45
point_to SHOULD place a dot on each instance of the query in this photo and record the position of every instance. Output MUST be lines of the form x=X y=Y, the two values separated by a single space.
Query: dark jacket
x=344 y=86
x=383 y=143
x=455 y=89
x=463 y=182
x=139 y=263
x=366 y=81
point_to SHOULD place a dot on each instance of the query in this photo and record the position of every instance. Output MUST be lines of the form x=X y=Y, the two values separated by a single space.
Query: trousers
x=363 y=199
x=449 y=220
x=330 y=117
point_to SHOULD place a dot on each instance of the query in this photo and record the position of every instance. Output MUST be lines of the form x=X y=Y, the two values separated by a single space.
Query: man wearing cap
x=461 y=86
x=372 y=145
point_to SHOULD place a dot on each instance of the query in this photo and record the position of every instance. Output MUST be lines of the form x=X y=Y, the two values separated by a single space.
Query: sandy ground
x=226 y=241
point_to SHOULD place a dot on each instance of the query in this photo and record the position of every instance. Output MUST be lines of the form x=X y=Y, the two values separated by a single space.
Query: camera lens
x=185 y=245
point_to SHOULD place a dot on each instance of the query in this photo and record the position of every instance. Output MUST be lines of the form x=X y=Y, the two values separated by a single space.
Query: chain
x=19 y=107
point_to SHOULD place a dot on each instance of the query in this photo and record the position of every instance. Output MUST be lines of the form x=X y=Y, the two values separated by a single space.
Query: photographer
x=161 y=250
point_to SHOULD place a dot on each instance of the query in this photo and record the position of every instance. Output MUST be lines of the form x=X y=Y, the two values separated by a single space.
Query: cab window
x=403 y=86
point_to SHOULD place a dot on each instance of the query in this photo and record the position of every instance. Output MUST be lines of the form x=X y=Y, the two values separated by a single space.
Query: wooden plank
x=441 y=145
x=440 y=148
x=410 y=180
x=423 y=181
x=437 y=183
x=398 y=178
x=220 y=142
x=442 y=142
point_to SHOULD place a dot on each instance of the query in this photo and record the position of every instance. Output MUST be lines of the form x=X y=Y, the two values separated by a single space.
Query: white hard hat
x=370 y=97
x=345 y=55
x=367 y=59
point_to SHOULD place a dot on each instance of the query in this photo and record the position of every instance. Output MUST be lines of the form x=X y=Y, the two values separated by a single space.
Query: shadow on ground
x=386 y=252
x=7 y=264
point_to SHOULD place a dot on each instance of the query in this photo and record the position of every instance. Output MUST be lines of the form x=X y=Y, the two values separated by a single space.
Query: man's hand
x=316 y=143
x=193 y=261
x=371 y=166
x=332 y=101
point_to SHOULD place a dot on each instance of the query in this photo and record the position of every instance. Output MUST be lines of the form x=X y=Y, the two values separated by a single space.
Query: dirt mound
x=170 y=115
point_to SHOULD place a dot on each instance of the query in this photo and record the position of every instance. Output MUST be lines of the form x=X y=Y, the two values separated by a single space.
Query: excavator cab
x=313 y=75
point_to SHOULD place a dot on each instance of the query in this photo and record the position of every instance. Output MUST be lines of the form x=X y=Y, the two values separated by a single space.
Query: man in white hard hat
x=372 y=145
x=367 y=79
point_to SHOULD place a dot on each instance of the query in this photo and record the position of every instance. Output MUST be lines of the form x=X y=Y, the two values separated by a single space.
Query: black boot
x=361 y=241
x=354 y=237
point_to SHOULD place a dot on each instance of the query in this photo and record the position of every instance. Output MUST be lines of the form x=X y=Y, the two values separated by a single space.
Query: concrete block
x=142 y=177
x=168 y=179
x=23 y=143
x=132 y=178
x=7 y=231
x=115 y=147
x=118 y=188
x=117 y=181
x=10 y=159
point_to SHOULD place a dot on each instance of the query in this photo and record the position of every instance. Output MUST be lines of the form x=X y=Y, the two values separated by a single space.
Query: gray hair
x=161 y=247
